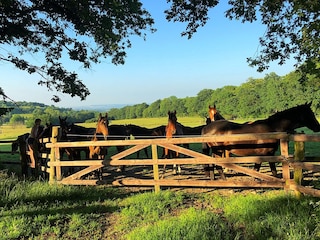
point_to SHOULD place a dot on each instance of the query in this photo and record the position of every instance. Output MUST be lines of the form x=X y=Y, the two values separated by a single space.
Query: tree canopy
x=90 y=30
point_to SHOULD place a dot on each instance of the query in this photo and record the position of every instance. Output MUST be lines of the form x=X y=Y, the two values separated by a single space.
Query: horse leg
x=257 y=166
x=218 y=154
x=219 y=168
x=206 y=151
x=273 y=168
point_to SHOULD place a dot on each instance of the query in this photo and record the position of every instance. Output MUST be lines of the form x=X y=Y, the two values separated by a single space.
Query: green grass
x=38 y=210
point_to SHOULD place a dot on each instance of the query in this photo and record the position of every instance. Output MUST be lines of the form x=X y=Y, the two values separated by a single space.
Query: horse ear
x=209 y=106
x=168 y=112
x=175 y=112
x=100 y=115
x=106 y=115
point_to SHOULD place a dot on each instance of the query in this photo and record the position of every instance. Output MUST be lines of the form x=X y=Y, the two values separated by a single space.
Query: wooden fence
x=26 y=157
x=291 y=165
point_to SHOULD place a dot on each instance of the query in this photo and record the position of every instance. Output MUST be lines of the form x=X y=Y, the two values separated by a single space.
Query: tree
x=17 y=119
x=52 y=28
x=70 y=26
x=293 y=28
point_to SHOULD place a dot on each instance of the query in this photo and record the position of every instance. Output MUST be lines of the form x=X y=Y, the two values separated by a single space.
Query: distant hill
x=100 y=108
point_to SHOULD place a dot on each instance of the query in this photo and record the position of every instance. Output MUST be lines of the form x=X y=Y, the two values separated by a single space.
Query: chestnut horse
x=102 y=128
x=173 y=128
x=214 y=114
x=285 y=121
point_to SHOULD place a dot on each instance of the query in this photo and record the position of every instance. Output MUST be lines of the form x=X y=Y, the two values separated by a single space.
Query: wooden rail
x=289 y=164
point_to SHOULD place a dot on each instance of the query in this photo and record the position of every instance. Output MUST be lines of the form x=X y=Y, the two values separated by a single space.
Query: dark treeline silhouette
x=256 y=98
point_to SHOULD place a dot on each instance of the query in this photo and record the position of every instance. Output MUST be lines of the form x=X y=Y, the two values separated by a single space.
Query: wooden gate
x=286 y=163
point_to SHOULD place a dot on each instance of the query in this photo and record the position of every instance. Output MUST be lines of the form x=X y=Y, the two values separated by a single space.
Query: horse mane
x=289 y=111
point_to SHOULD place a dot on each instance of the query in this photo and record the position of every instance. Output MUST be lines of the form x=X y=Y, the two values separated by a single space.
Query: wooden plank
x=83 y=172
x=129 y=151
x=180 y=140
x=197 y=183
x=52 y=159
x=305 y=165
x=198 y=160
x=284 y=149
x=298 y=156
x=155 y=167
x=304 y=137
x=78 y=182
x=306 y=190
x=77 y=163
x=251 y=172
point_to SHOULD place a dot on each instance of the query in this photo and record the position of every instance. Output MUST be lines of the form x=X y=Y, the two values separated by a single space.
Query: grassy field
x=34 y=209
x=37 y=210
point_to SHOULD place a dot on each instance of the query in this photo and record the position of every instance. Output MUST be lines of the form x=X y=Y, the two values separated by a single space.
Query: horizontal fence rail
x=289 y=163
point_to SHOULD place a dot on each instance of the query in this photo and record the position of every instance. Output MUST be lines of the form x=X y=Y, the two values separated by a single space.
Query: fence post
x=53 y=154
x=284 y=149
x=299 y=154
x=155 y=167
x=23 y=156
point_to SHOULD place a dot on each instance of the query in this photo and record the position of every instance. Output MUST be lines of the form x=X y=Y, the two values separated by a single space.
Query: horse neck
x=100 y=130
x=279 y=125
x=170 y=128
x=218 y=116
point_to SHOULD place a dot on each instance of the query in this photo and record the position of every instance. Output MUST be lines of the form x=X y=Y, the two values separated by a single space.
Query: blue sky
x=164 y=65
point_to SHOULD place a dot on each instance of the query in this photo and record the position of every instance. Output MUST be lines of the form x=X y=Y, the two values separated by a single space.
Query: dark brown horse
x=285 y=121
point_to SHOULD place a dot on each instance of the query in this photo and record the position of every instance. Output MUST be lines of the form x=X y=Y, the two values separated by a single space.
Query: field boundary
x=291 y=166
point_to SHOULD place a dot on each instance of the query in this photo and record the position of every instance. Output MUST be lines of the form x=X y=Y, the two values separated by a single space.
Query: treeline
x=27 y=112
x=256 y=98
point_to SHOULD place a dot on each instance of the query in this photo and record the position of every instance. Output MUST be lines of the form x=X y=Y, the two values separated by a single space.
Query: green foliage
x=37 y=210
x=54 y=28
x=17 y=119
x=292 y=30
x=256 y=98
x=90 y=30
x=190 y=224
x=148 y=207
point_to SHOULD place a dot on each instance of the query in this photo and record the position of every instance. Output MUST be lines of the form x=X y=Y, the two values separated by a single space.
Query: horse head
x=307 y=117
x=214 y=114
x=102 y=125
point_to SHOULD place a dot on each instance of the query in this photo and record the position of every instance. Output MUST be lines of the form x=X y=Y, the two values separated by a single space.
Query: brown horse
x=173 y=128
x=102 y=128
x=214 y=114
x=285 y=121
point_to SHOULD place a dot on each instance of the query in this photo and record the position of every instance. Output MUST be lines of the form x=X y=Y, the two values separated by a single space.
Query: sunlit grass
x=153 y=122
x=38 y=210
x=11 y=132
